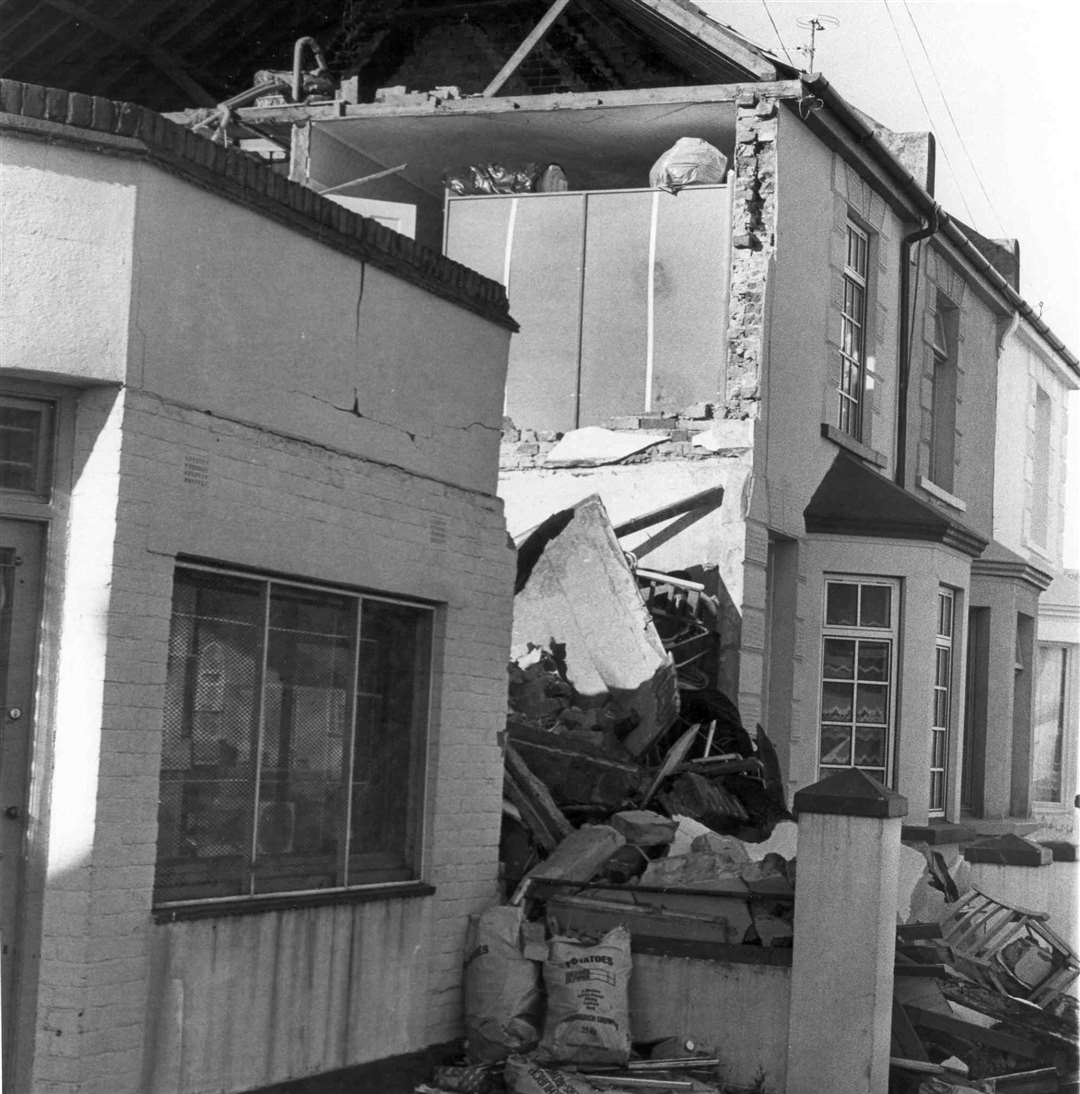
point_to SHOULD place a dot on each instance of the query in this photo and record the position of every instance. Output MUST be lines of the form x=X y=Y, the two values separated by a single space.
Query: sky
x=998 y=84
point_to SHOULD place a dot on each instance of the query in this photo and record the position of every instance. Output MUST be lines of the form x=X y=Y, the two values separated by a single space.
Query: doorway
x=21 y=554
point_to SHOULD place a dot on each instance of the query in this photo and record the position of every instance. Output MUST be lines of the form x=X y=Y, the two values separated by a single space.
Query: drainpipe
x=817 y=85
x=904 y=378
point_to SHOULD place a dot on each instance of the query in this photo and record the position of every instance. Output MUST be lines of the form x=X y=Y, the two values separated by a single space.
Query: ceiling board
x=598 y=148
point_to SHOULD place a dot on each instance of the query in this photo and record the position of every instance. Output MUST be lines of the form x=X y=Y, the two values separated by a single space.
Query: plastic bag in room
x=690 y=161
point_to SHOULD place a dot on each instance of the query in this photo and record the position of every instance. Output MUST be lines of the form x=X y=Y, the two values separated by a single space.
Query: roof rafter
x=160 y=58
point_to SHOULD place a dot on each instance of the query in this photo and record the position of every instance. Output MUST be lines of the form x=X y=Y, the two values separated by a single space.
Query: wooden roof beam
x=532 y=40
x=160 y=58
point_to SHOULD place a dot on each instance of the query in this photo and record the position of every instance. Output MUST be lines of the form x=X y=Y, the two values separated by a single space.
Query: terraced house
x=271 y=425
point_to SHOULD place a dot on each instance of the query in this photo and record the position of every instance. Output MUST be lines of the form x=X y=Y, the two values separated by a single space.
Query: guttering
x=904 y=377
x=817 y=85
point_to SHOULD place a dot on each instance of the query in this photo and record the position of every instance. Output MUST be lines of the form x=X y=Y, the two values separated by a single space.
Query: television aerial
x=814 y=24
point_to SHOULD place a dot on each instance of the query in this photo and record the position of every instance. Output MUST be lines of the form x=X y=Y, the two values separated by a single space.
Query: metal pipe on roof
x=817 y=85
x=297 y=73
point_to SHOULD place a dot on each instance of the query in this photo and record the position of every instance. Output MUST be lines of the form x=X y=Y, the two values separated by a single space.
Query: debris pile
x=640 y=817
x=635 y=808
x=981 y=1000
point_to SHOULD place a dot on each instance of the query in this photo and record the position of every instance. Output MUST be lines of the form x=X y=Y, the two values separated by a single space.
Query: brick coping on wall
x=69 y=116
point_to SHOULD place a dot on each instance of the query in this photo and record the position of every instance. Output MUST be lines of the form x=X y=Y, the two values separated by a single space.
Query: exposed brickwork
x=240 y=177
x=754 y=241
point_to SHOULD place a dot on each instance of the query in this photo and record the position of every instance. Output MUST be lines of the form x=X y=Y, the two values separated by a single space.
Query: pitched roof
x=168 y=56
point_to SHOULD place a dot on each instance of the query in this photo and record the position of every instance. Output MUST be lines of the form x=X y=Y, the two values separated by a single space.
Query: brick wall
x=302 y=510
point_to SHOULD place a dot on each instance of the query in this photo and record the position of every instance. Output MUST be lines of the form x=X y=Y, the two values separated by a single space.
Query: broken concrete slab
x=575 y=588
x=644 y=828
x=580 y=855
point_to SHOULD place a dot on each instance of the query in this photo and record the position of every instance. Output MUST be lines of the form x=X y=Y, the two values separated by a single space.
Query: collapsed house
x=794 y=319
x=650 y=839
x=799 y=330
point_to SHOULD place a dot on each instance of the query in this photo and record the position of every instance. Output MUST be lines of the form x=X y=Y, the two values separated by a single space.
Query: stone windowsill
x=941 y=494
x=857 y=448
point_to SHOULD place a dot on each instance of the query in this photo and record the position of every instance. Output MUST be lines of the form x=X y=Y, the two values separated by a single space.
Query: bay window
x=859 y=641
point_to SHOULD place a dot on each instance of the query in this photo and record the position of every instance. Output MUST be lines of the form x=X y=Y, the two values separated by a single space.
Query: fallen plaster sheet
x=725 y=436
x=592 y=446
x=575 y=589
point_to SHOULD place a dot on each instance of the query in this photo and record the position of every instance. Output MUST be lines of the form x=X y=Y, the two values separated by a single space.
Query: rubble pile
x=636 y=806
x=640 y=817
x=981 y=1001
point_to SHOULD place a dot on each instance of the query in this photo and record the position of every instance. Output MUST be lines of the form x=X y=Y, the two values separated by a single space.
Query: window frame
x=944 y=377
x=944 y=698
x=45 y=445
x=892 y=635
x=1042 y=439
x=851 y=387
x=1066 y=717
x=412 y=839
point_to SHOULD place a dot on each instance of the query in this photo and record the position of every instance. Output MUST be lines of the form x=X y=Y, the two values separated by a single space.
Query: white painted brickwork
x=107 y=1010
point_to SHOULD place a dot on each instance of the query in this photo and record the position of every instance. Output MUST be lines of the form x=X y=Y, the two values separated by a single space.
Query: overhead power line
x=776 y=30
x=926 y=110
x=956 y=128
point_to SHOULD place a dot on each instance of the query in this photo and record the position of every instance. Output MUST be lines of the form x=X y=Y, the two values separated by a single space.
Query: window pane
x=841 y=604
x=874 y=661
x=207 y=764
x=869 y=746
x=391 y=723
x=839 y=659
x=945 y=614
x=310 y=663
x=836 y=704
x=872 y=703
x=835 y=745
x=876 y=608
x=941 y=671
x=937 y=790
x=1049 y=727
x=25 y=435
x=937 y=749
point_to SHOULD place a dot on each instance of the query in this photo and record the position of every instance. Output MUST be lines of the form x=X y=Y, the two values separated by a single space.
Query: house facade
x=1030 y=500
x=256 y=608
x=809 y=331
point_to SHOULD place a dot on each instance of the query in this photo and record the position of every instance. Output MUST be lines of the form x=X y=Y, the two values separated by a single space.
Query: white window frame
x=944 y=697
x=1068 y=715
x=851 y=384
x=1041 y=484
x=418 y=761
x=857 y=633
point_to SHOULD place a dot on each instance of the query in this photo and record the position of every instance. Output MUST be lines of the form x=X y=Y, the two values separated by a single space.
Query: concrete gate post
x=840 y=1016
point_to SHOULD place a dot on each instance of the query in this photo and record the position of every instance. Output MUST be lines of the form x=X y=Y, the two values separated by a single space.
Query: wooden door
x=21 y=545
